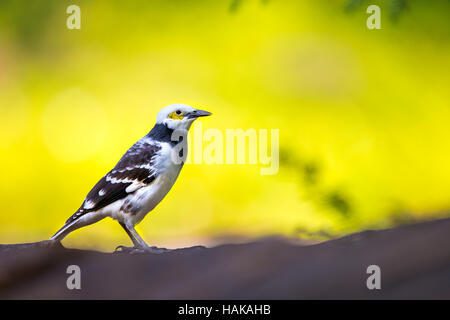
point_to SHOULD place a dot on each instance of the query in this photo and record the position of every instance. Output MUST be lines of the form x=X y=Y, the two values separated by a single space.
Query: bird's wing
x=136 y=169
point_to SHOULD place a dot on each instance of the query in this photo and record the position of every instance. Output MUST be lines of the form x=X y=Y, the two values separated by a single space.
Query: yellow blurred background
x=364 y=115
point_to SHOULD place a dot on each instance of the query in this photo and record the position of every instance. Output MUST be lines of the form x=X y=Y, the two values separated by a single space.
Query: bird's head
x=179 y=116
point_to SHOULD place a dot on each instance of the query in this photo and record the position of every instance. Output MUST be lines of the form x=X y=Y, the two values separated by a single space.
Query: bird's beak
x=199 y=113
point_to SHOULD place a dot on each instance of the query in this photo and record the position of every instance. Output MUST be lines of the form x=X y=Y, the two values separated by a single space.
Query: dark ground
x=414 y=262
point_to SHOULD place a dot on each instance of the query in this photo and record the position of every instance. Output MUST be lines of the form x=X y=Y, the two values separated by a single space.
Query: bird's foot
x=138 y=250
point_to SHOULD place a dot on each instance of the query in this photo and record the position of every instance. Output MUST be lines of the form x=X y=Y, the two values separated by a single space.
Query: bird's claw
x=136 y=250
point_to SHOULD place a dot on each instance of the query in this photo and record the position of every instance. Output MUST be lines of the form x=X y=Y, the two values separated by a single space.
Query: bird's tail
x=64 y=231
x=77 y=221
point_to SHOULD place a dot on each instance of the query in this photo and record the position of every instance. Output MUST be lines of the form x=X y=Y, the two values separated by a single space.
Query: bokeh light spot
x=74 y=125
x=14 y=116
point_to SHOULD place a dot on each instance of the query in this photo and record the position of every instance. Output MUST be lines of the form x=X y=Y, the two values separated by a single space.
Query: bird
x=140 y=180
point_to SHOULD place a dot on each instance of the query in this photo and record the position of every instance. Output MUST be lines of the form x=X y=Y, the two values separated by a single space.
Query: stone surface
x=414 y=262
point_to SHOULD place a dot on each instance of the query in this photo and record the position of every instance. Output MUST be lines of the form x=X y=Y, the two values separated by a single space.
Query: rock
x=414 y=261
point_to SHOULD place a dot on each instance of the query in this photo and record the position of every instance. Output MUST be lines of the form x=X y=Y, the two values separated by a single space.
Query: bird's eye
x=176 y=115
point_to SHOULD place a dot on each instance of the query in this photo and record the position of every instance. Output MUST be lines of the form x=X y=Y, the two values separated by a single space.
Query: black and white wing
x=136 y=169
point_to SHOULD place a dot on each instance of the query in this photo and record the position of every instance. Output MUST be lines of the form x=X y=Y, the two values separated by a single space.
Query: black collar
x=162 y=133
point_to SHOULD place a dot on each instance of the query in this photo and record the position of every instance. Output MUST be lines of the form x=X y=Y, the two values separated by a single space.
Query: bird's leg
x=139 y=244
x=143 y=246
x=135 y=241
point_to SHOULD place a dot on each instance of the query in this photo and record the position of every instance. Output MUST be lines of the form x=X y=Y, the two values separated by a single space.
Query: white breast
x=147 y=198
